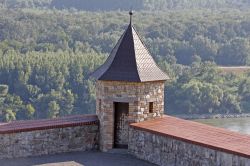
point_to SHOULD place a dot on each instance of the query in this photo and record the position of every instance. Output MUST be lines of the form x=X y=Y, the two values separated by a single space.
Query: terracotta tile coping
x=31 y=125
x=198 y=134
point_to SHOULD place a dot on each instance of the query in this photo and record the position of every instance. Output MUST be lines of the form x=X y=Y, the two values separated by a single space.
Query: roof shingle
x=130 y=61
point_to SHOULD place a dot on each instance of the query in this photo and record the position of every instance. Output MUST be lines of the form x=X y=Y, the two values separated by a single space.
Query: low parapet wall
x=175 y=142
x=41 y=137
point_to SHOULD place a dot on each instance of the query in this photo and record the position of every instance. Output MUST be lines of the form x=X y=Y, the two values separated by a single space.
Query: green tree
x=236 y=52
x=53 y=109
x=30 y=111
x=9 y=115
x=4 y=90
x=67 y=103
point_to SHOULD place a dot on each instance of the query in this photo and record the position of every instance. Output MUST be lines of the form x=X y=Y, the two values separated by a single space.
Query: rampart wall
x=42 y=137
x=172 y=142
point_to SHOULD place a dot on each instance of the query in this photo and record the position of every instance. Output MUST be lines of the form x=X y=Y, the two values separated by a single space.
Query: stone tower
x=129 y=88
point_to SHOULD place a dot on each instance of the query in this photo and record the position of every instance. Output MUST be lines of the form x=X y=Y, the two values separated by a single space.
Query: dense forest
x=181 y=36
x=108 y=5
x=46 y=56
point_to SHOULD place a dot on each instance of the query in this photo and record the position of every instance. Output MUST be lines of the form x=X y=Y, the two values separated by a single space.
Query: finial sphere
x=131 y=13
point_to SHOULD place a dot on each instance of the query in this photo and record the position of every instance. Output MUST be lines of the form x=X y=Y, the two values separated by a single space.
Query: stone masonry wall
x=49 y=141
x=138 y=95
x=166 y=151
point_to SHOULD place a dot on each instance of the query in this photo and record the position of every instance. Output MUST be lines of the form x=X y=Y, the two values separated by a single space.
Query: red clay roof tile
x=31 y=125
x=198 y=134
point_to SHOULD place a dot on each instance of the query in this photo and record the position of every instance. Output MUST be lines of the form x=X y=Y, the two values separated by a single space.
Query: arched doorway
x=121 y=125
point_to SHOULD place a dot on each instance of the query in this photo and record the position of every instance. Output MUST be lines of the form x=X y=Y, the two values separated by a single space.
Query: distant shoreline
x=211 y=116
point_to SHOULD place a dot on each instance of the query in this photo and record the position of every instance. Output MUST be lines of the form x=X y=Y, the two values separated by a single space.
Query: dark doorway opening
x=121 y=125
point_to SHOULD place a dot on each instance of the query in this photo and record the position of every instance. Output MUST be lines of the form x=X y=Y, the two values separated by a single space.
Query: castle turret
x=129 y=88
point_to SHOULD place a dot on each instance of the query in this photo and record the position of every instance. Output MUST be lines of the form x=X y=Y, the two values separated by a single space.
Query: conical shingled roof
x=130 y=61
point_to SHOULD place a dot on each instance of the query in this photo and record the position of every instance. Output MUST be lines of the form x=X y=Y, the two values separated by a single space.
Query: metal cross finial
x=131 y=14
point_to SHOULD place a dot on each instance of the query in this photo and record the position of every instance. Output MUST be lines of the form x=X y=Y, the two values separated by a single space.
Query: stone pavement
x=78 y=159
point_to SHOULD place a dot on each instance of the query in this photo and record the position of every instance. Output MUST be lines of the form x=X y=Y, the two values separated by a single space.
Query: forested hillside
x=108 y=5
x=46 y=57
x=181 y=36
x=95 y=5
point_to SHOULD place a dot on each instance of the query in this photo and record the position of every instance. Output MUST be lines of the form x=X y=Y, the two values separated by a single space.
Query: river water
x=241 y=125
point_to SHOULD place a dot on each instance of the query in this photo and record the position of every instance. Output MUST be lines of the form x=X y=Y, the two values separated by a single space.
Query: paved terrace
x=78 y=159
x=198 y=134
